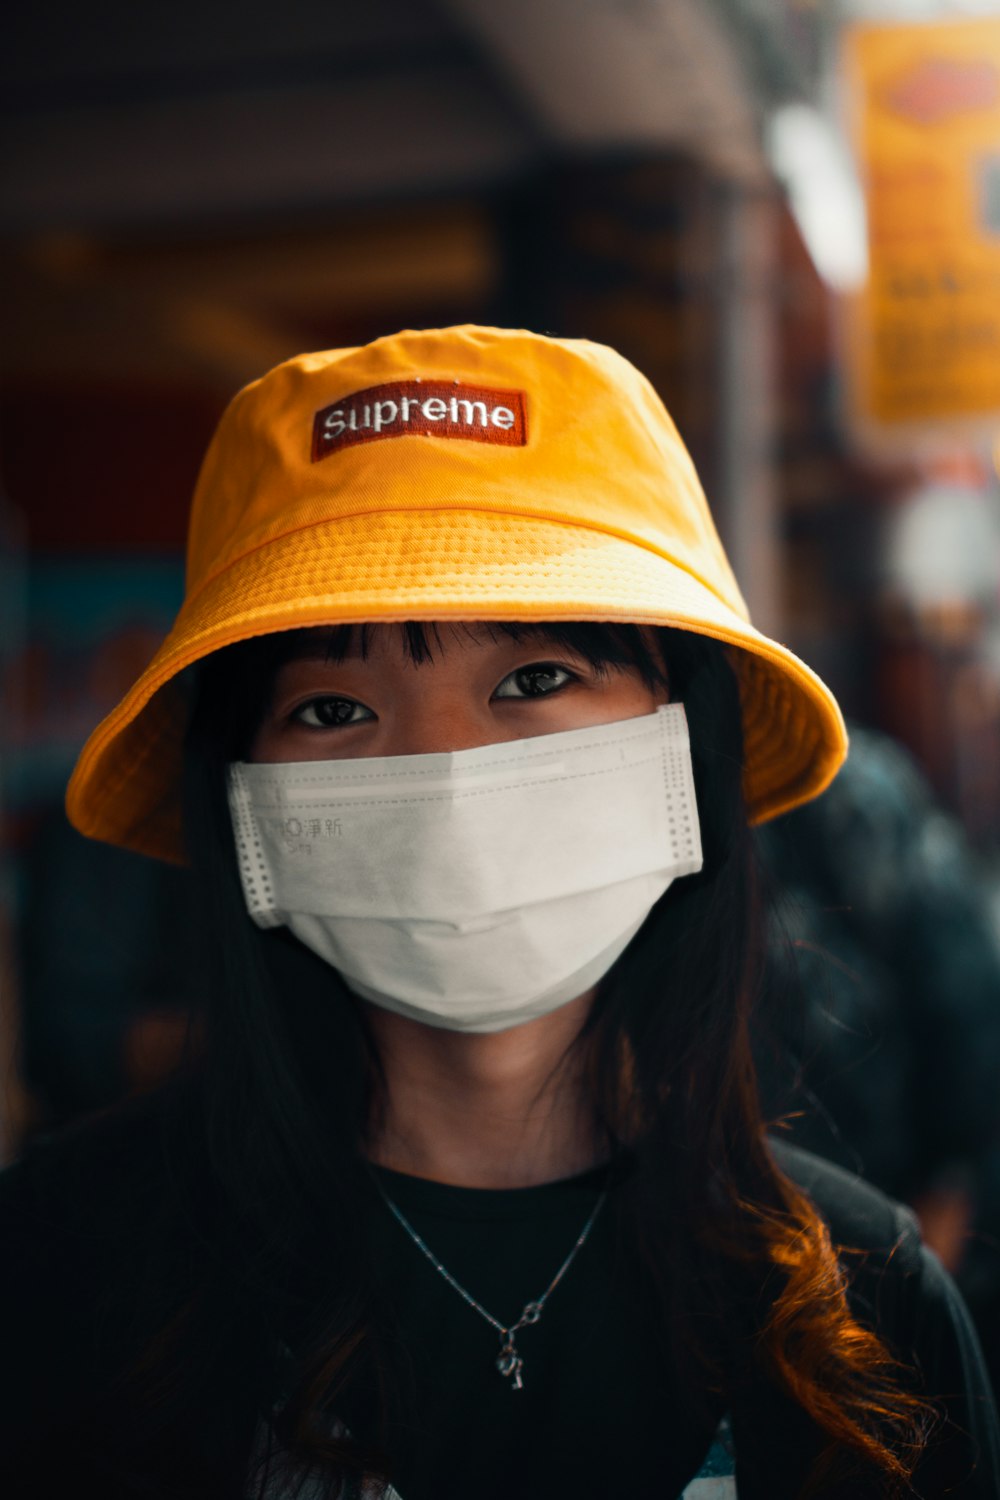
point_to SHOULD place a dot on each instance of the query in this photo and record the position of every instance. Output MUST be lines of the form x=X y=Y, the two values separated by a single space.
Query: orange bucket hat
x=462 y=473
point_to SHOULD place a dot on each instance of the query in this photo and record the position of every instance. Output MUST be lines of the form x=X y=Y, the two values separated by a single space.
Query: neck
x=505 y=1109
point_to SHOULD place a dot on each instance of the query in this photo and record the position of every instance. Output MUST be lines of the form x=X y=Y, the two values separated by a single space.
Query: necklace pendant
x=510 y=1364
x=508 y=1361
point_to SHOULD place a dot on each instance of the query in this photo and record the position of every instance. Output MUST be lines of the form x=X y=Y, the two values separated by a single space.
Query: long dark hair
x=283 y=1080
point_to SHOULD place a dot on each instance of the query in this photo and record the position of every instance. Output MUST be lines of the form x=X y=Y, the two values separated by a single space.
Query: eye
x=535 y=681
x=331 y=713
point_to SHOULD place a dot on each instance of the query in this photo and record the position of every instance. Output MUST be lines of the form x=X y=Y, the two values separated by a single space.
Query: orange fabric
x=597 y=515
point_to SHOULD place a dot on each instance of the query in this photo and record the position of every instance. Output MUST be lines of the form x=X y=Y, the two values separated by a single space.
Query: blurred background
x=786 y=212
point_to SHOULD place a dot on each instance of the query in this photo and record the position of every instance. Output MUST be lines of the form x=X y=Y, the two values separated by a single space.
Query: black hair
x=268 y=1144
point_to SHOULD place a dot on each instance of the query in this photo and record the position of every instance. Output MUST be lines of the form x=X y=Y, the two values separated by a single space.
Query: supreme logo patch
x=438 y=408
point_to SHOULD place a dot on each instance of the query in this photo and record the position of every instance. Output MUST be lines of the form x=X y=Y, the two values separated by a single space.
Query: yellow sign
x=925 y=334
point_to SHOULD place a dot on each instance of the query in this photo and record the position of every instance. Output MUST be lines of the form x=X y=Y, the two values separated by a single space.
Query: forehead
x=417 y=641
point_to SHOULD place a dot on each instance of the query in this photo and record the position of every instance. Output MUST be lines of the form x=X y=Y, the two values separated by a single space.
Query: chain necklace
x=508 y=1361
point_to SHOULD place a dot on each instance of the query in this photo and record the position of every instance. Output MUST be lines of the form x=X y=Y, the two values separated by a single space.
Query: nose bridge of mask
x=437 y=837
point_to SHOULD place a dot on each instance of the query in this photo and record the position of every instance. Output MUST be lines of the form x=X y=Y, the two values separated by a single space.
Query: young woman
x=464 y=1190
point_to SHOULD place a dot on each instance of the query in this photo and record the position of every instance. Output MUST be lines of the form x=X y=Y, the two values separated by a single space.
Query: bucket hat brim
x=449 y=563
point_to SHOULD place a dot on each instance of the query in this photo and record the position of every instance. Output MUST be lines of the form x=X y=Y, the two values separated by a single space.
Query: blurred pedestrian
x=881 y=1031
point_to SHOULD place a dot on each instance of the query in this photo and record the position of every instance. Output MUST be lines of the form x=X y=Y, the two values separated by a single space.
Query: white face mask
x=478 y=889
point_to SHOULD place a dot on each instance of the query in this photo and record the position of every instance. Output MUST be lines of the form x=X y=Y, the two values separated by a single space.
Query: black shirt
x=597 y=1417
x=594 y=1414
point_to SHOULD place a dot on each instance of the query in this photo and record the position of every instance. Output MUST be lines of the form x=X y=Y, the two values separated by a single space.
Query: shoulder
x=899 y=1289
x=894 y=1284
x=81 y=1213
x=859 y=1216
x=85 y=1221
x=890 y=1278
x=116 y=1314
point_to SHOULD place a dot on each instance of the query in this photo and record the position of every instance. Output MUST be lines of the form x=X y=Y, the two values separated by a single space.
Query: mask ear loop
x=253 y=869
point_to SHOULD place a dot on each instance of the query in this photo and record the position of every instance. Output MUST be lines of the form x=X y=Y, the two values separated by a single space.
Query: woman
x=465 y=1191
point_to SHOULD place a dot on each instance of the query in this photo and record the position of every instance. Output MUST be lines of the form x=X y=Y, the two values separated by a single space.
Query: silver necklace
x=508 y=1361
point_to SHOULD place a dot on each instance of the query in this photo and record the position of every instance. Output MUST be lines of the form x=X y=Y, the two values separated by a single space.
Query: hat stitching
x=574 y=525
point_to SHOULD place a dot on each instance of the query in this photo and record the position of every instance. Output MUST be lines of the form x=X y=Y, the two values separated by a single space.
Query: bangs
x=602 y=646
